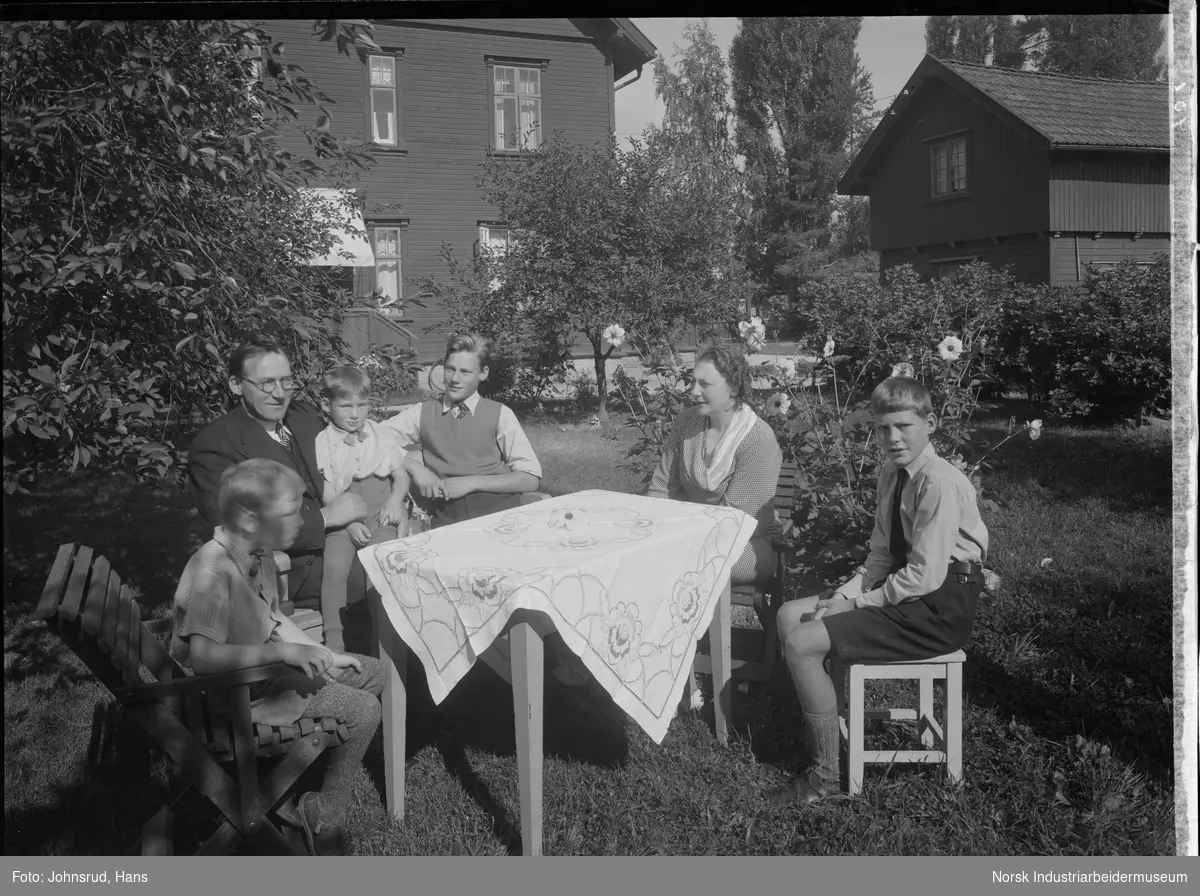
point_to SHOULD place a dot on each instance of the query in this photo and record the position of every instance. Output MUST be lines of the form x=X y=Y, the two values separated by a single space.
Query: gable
x=1054 y=111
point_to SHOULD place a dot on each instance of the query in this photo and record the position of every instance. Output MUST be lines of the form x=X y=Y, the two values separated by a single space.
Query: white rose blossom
x=950 y=348
x=753 y=333
x=787 y=369
x=614 y=335
x=904 y=369
x=829 y=345
x=1035 y=430
x=778 y=404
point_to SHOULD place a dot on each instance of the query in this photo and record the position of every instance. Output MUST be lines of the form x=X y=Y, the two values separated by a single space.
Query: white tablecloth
x=629 y=582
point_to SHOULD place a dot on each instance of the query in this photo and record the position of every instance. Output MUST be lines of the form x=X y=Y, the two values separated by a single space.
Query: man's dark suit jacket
x=236 y=437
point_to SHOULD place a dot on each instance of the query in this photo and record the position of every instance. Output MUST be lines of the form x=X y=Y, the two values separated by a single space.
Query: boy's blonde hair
x=345 y=382
x=254 y=484
x=476 y=343
x=901 y=393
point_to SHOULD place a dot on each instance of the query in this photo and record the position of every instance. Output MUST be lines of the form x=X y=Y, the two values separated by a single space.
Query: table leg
x=722 y=666
x=394 y=654
x=527 y=707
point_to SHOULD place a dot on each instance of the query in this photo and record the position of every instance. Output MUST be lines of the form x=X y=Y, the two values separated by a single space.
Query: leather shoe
x=322 y=838
x=802 y=790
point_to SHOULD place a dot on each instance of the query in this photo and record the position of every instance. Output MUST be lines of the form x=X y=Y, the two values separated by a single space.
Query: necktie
x=285 y=437
x=355 y=437
x=460 y=410
x=896 y=535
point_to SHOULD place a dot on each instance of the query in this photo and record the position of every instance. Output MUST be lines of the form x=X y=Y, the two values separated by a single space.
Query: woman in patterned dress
x=721 y=452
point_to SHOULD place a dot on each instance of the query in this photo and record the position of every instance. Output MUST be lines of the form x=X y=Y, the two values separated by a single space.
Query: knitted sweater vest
x=466 y=447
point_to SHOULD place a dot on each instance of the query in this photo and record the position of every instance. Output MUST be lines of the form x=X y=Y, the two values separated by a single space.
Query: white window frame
x=949 y=167
x=527 y=138
x=382 y=91
x=381 y=258
x=488 y=245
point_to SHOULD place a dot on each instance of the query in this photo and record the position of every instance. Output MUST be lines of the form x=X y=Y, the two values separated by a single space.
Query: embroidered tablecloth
x=629 y=582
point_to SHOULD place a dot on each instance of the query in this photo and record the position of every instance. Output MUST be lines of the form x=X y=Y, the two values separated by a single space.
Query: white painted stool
x=853 y=714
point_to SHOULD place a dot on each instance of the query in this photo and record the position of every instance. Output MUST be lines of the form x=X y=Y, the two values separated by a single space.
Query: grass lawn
x=1067 y=722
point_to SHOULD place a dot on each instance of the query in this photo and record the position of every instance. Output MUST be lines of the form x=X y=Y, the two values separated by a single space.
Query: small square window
x=948 y=167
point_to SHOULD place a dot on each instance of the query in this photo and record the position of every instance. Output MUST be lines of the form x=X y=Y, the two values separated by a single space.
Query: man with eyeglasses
x=265 y=424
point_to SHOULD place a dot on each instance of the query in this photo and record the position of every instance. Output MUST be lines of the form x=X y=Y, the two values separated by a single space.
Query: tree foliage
x=983 y=40
x=1090 y=46
x=600 y=237
x=1099 y=46
x=151 y=221
x=800 y=95
x=697 y=109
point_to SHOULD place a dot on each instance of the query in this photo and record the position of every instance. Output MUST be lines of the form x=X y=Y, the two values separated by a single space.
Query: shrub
x=152 y=222
x=395 y=374
x=1102 y=350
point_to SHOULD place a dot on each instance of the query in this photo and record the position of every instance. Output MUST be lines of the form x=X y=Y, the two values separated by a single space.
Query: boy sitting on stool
x=914 y=598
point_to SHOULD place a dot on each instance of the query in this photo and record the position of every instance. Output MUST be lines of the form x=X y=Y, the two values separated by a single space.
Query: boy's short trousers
x=917 y=629
x=469 y=507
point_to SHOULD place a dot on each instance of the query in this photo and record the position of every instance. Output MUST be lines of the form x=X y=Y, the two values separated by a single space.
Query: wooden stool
x=854 y=714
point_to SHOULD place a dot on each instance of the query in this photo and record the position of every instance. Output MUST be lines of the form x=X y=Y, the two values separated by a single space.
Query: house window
x=948 y=267
x=386 y=279
x=383 y=100
x=516 y=107
x=494 y=240
x=948 y=167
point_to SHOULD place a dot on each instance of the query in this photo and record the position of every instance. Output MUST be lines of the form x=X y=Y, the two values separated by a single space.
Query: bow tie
x=256 y=558
x=353 y=437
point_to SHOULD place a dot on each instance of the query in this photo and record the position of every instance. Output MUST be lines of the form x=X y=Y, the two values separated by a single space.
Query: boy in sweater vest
x=474 y=458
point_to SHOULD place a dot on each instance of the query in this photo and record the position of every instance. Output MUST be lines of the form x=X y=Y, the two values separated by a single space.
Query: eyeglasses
x=288 y=383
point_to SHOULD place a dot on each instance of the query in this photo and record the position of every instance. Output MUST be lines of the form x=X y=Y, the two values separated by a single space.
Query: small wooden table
x=628 y=582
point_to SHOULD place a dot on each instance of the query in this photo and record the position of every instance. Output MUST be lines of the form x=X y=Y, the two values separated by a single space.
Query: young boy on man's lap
x=914 y=598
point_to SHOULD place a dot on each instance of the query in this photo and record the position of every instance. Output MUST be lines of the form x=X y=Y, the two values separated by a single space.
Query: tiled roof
x=1073 y=111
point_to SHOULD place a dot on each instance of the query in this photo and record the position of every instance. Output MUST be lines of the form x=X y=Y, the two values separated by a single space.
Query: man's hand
x=427 y=484
x=455 y=487
x=346 y=508
x=311 y=659
x=359 y=534
x=833 y=605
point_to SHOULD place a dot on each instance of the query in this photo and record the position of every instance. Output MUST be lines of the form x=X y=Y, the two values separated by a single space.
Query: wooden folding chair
x=755 y=651
x=201 y=721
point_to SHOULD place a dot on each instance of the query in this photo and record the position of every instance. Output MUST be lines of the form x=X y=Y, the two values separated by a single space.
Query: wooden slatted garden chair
x=755 y=651
x=202 y=722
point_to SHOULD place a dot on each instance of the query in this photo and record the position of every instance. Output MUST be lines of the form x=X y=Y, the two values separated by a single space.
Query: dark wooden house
x=441 y=97
x=1043 y=173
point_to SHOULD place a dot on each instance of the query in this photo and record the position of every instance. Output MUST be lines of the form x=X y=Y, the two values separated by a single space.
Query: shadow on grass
x=147 y=530
x=115 y=785
x=1096 y=662
x=1129 y=469
x=581 y=725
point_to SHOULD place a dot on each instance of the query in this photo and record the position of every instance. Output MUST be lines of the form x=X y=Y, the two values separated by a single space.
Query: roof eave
x=1109 y=147
x=621 y=40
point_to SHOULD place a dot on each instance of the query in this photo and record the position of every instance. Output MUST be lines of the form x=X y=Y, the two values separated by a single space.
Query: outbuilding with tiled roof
x=1045 y=173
